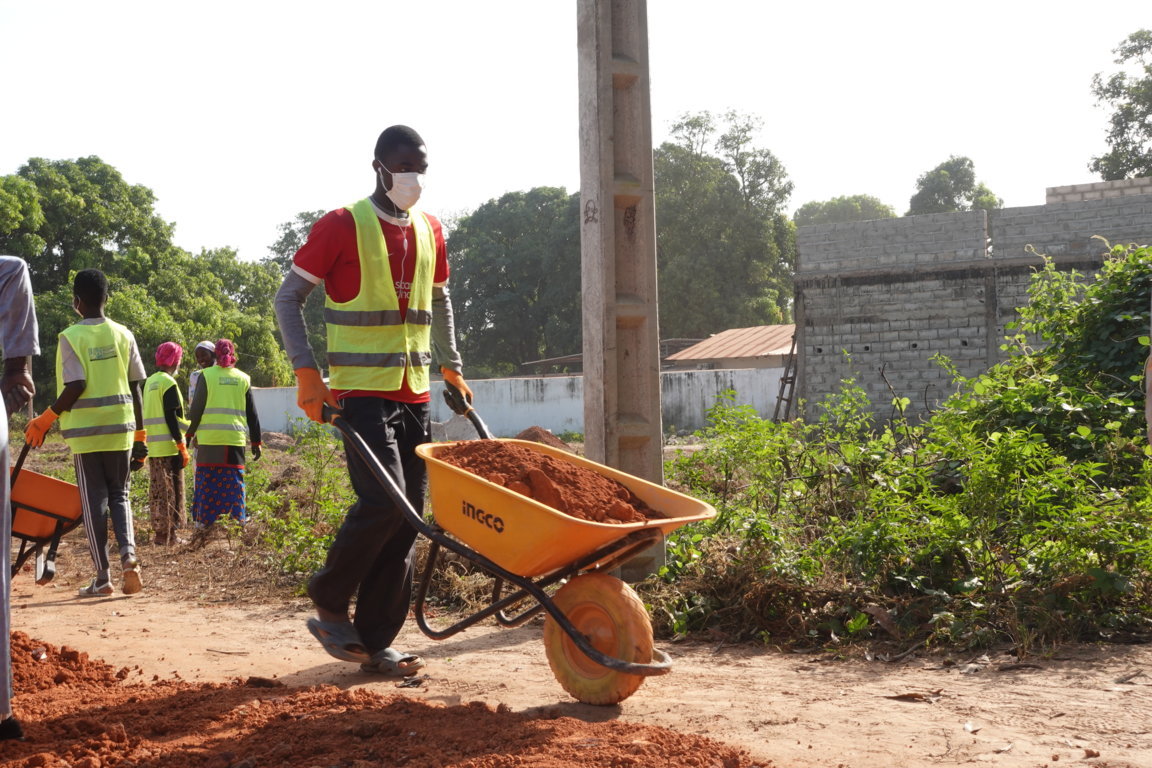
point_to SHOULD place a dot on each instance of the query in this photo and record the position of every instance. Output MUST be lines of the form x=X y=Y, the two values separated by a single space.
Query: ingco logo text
x=482 y=517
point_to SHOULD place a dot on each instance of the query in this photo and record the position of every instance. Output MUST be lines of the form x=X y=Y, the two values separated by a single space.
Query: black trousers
x=371 y=556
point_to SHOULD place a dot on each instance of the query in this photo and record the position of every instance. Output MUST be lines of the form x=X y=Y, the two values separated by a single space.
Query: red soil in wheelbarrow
x=565 y=487
x=78 y=712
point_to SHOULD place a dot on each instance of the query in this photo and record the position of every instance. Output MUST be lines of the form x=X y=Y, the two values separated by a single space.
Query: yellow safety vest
x=160 y=442
x=102 y=419
x=370 y=346
x=225 y=418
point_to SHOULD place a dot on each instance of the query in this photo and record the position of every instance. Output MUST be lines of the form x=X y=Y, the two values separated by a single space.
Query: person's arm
x=75 y=383
x=196 y=410
x=137 y=404
x=312 y=394
x=18 y=332
x=444 y=331
x=173 y=410
x=136 y=377
x=290 y=316
x=253 y=423
x=69 y=395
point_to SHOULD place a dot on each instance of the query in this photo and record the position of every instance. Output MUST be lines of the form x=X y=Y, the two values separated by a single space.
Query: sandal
x=340 y=639
x=393 y=663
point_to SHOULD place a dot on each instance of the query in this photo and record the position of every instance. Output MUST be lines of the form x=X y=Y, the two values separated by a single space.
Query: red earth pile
x=79 y=712
x=565 y=487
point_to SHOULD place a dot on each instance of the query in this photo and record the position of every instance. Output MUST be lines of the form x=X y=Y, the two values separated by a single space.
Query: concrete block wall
x=908 y=243
x=875 y=301
x=1066 y=231
x=879 y=320
x=1100 y=190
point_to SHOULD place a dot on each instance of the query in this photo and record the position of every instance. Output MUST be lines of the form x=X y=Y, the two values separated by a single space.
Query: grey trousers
x=103 y=480
x=5 y=569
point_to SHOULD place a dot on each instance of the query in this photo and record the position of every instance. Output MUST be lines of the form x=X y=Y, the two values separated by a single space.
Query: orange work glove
x=184 y=457
x=312 y=394
x=39 y=426
x=457 y=380
x=139 y=450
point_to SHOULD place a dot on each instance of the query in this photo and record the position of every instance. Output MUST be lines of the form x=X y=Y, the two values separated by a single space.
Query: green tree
x=89 y=216
x=67 y=215
x=1129 y=95
x=516 y=280
x=842 y=209
x=725 y=249
x=20 y=217
x=293 y=235
x=952 y=186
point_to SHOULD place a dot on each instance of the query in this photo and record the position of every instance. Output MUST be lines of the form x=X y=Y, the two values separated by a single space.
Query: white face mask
x=406 y=188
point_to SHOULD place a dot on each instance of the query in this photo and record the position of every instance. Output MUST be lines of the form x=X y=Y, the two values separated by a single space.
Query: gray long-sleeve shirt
x=19 y=334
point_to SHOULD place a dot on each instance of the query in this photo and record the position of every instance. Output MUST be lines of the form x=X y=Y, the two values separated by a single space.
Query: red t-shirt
x=331 y=256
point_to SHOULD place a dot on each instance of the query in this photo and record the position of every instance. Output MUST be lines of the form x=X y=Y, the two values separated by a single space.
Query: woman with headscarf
x=164 y=423
x=205 y=354
x=223 y=420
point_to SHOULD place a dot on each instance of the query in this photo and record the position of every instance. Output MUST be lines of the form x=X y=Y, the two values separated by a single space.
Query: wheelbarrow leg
x=46 y=561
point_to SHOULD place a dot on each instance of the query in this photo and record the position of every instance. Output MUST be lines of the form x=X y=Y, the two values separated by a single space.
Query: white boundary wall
x=556 y=403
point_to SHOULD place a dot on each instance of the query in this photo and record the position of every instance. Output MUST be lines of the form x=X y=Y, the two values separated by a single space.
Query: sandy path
x=796 y=710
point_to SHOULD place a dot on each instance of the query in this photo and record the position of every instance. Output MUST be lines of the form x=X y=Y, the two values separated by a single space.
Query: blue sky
x=239 y=115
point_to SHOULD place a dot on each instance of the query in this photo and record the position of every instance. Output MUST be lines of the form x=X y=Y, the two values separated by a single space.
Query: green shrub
x=302 y=510
x=1020 y=510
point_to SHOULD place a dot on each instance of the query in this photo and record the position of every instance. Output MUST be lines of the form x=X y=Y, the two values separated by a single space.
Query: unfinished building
x=876 y=300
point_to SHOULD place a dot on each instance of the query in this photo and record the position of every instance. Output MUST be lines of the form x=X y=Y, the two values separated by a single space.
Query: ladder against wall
x=787 y=386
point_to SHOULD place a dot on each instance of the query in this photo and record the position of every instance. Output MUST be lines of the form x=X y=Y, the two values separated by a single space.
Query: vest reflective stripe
x=371 y=345
x=105 y=429
x=381 y=317
x=224 y=421
x=378 y=360
x=102 y=419
x=97 y=402
x=160 y=442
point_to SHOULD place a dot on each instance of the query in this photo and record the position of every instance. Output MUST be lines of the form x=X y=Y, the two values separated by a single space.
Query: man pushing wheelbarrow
x=384 y=267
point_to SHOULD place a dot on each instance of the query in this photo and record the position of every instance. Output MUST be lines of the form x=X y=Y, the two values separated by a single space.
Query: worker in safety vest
x=223 y=420
x=384 y=267
x=98 y=376
x=165 y=424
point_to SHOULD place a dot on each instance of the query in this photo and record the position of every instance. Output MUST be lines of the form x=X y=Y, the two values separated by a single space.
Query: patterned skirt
x=219 y=485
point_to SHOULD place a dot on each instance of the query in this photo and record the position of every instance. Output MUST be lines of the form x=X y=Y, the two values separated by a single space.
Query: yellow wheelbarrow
x=597 y=634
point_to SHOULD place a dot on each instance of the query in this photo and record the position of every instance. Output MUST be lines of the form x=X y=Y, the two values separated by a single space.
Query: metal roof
x=761 y=341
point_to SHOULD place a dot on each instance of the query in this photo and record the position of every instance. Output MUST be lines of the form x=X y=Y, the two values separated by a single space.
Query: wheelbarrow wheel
x=610 y=614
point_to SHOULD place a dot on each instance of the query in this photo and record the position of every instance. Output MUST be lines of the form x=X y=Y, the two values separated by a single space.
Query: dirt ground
x=222 y=682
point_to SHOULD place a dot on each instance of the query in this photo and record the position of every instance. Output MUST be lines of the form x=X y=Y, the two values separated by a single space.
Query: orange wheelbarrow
x=43 y=510
x=597 y=634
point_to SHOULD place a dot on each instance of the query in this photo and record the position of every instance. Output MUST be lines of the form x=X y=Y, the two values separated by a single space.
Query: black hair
x=394 y=137
x=91 y=287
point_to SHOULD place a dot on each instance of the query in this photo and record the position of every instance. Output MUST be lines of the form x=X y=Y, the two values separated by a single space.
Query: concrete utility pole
x=618 y=244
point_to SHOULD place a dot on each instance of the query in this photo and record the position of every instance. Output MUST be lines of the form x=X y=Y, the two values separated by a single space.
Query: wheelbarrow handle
x=19 y=463
x=460 y=405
